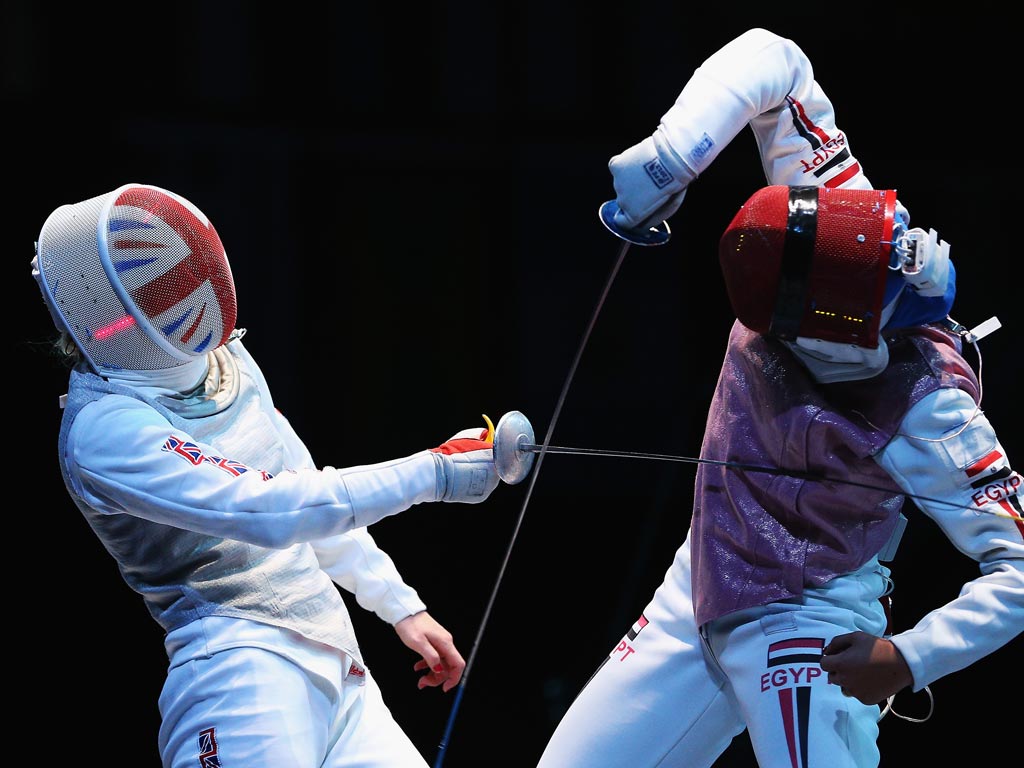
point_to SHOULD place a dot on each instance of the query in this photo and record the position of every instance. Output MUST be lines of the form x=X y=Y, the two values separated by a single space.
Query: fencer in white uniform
x=843 y=371
x=196 y=484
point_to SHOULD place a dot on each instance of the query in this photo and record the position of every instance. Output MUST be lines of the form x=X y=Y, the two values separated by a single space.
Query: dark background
x=409 y=203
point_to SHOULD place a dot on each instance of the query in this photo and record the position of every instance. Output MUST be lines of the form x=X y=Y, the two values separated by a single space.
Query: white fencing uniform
x=775 y=567
x=212 y=507
x=165 y=491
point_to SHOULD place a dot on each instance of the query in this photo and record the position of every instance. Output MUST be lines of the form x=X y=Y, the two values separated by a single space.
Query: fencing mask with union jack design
x=138 y=277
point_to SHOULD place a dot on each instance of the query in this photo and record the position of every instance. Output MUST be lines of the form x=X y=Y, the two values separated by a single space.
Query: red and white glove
x=467 y=459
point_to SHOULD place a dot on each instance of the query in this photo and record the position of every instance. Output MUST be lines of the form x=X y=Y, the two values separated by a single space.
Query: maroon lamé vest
x=757 y=537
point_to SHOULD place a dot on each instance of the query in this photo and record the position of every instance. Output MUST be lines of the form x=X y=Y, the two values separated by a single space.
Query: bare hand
x=866 y=667
x=439 y=656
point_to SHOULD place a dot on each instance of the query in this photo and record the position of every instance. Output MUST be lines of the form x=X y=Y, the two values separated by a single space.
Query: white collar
x=181 y=378
x=827 y=369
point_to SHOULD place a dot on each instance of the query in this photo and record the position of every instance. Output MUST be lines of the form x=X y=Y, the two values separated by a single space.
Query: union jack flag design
x=208 y=752
x=174 y=267
x=194 y=455
x=191 y=452
x=229 y=465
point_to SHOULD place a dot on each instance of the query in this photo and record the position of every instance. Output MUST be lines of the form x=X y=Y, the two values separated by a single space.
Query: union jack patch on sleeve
x=208 y=756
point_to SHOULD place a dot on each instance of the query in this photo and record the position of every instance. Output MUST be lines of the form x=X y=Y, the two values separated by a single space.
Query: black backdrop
x=409 y=200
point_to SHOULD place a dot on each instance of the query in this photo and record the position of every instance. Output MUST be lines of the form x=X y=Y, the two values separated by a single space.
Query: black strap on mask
x=797 y=255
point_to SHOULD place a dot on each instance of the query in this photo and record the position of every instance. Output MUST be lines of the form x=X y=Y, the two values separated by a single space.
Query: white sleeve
x=355 y=562
x=767 y=82
x=936 y=457
x=144 y=467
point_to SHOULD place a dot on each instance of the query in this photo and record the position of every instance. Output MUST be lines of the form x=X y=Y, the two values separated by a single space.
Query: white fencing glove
x=747 y=78
x=467 y=459
x=650 y=182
